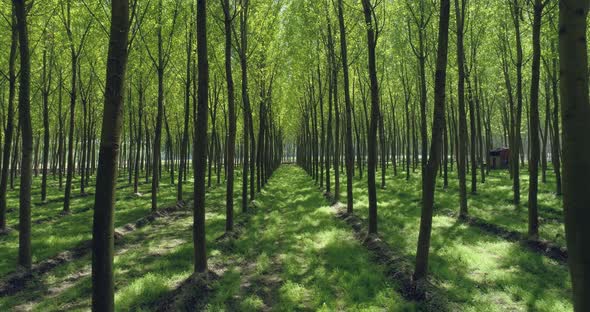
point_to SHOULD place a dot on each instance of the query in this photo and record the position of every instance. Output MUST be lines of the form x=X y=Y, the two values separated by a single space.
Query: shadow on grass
x=296 y=256
x=474 y=268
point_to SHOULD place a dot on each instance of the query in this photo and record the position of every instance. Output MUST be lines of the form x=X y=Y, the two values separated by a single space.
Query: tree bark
x=575 y=108
x=185 y=131
x=200 y=154
x=247 y=152
x=9 y=121
x=517 y=141
x=231 y=137
x=45 y=95
x=534 y=124
x=24 y=114
x=438 y=127
x=460 y=8
x=103 y=298
x=368 y=11
x=156 y=157
x=348 y=153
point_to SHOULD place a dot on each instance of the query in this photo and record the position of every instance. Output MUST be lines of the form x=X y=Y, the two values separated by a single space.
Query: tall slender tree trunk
x=534 y=124
x=70 y=159
x=575 y=108
x=349 y=157
x=138 y=159
x=185 y=131
x=200 y=154
x=438 y=125
x=555 y=146
x=24 y=114
x=9 y=122
x=45 y=95
x=472 y=134
x=330 y=155
x=517 y=141
x=245 y=101
x=368 y=10
x=156 y=157
x=103 y=296
x=73 y=93
x=460 y=8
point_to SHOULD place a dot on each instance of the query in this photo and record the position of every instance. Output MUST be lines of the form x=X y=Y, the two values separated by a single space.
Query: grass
x=53 y=233
x=476 y=270
x=149 y=262
x=311 y=264
x=294 y=255
x=297 y=256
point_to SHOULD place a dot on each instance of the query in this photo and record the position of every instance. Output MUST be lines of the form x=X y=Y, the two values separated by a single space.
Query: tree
x=421 y=19
x=349 y=157
x=66 y=17
x=516 y=11
x=24 y=114
x=534 y=124
x=138 y=160
x=372 y=34
x=9 y=120
x=248 y=127
x=160 y=63
x=460 y=7
x=575 y=113
x=187 y=98
x=103 y=297
x=200 y=137
x=429 y=177
x=555 y=146
x=45 y=90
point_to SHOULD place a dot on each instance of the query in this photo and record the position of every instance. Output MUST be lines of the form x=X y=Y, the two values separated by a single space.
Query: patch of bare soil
x=540 y=246
x=267 y=285
x=18 y=280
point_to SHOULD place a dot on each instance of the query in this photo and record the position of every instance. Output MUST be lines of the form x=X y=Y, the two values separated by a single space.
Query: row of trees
x=387 y=126
x=68 y=145
x=391 y=126
x=131 y=130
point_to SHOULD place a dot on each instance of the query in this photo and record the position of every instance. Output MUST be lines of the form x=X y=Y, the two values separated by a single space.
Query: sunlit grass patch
x=141 y=292
x=477 y=271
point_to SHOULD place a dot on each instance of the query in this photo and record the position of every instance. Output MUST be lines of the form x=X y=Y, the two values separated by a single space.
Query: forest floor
x=293 y=253
x=475 y=268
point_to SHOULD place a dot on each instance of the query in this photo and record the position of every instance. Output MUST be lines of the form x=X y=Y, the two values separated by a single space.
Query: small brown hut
x=500 y=158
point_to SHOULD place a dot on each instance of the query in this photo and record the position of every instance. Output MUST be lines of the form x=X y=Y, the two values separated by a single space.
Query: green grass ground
x=292 y=255
x=148 y=262
x=492 y=203
x=53 y=233
x=296 y=256
x=477 y=271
